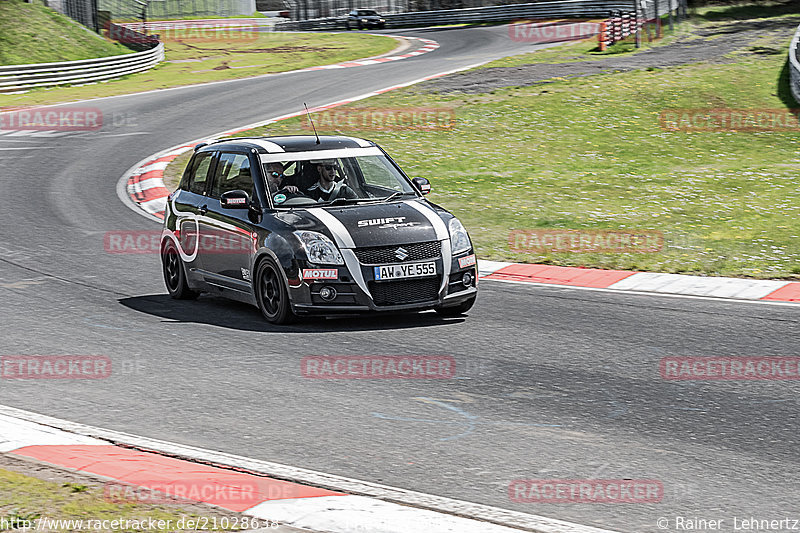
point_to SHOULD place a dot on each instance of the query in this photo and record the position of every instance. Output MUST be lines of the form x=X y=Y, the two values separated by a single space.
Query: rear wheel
x=174 y=274
x=271 y=293
x=456 y=310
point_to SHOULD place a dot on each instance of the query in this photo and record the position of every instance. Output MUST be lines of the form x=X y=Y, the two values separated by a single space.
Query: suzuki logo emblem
x=401 y=253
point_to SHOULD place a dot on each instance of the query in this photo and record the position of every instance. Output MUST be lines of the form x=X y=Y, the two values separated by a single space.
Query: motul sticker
x=319 y=273
x=464 y=262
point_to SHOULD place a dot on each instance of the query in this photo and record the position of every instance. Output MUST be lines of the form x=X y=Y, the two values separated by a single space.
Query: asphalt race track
x=552 y=383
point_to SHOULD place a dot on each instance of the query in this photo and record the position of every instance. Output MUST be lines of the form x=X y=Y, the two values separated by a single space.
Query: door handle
x=204 y=210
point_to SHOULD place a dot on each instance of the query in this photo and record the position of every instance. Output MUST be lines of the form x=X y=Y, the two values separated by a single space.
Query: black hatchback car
x=298 y=226
x=363 y=19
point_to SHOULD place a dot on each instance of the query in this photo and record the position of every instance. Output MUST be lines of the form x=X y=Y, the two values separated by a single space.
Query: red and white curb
x=771 y=291
x=429 y=46
x=305 y=499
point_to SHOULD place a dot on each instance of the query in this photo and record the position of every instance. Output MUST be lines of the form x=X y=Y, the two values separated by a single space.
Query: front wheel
x=174 y=274
x=456 y=310
x=271 y=293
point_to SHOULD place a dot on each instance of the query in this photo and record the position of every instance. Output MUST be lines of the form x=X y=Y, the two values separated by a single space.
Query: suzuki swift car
x=299 y=225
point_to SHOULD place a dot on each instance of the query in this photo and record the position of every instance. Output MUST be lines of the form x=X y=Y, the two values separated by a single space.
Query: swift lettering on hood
x=389 y=222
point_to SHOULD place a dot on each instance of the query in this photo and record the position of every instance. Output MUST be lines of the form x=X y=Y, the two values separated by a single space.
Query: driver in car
x=327 y=188
x=276 y=181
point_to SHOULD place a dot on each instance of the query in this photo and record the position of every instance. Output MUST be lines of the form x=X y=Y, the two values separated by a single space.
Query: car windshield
x=367 y=13
x=326 y=180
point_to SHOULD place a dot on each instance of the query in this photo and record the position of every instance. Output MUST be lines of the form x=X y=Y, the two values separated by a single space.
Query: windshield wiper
x=346 y=201
x=395 y=195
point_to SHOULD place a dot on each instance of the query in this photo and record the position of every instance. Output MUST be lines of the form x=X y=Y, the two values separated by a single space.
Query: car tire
x=174 y=274
x=271 y=293
x=360 y=26
x=347 y=26
x=456 y=310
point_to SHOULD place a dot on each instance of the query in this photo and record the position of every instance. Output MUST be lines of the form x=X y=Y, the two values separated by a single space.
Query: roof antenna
x=311 y=121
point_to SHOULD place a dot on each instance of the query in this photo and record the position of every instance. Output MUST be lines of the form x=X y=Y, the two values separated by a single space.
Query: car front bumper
x=356 y=289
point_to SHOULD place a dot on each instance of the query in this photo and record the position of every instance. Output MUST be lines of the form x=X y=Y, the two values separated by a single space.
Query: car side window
x=199 y=173
x=233 y=173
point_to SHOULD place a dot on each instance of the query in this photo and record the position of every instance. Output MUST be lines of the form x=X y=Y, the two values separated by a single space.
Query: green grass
x=194 y=60
x=32 y=33
x=589 y=153
x=27 y=498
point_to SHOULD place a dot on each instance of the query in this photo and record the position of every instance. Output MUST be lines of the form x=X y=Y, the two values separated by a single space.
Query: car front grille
x=407 y=291
x=378 y=255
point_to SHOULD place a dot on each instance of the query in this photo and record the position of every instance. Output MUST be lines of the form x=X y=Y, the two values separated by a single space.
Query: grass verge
x=32 y=33
x=590 y=153
x=25 y=499
x=193 y=57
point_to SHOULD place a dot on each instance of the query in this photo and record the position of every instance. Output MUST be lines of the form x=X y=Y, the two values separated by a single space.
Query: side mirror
x=422 y=185
x=237 y=199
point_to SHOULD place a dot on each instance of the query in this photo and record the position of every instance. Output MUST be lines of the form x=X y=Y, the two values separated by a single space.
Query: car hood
x=381 y=224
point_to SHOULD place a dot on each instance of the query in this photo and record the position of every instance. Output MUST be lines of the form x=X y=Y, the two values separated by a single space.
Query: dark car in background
x=364 y=19
x=300 y=226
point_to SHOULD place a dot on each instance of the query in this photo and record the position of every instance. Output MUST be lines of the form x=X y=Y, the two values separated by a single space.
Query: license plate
x=410 y=270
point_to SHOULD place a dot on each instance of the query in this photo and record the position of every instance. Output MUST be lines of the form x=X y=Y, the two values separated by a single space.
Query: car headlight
x=459 y=240
x=319 y=248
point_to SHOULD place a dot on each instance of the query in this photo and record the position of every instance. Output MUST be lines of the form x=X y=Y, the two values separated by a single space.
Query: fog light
x=327 y=293
x=467 y=279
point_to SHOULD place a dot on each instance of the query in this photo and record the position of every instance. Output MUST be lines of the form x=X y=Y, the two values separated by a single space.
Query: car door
x=189 y=206
x=226 y=235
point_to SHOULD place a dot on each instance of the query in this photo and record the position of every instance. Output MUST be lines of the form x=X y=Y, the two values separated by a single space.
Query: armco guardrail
x=794 y=66
x=563 y=8
x=15 y=78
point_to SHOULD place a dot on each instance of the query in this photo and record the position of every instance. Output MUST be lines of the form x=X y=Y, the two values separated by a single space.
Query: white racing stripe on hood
x=442 y=235
x=345 y=243
x=340 y=234
x=436 y=221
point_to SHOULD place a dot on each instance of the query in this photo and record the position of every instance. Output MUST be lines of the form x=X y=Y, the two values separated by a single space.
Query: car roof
x=288 y=143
